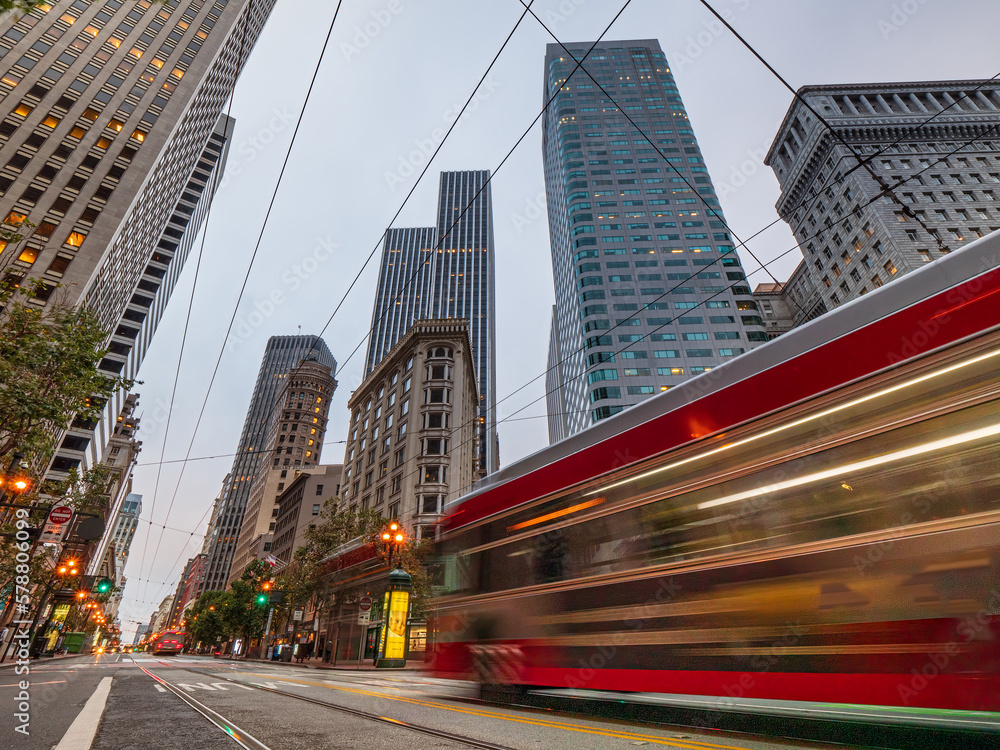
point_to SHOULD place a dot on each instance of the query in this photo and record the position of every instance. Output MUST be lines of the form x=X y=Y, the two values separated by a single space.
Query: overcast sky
x=394 y=74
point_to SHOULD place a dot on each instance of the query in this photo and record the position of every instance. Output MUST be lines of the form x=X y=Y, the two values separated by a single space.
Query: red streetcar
x=815 y=520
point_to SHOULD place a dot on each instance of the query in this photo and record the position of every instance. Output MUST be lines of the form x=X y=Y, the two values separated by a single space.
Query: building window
x=435 y=446
x=430 y=504
x=435 y=420
x=434 y=474
x=319 y=489
x=315 y=510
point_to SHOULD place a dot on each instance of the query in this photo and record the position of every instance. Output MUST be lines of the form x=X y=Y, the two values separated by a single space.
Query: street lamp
x=393 y=537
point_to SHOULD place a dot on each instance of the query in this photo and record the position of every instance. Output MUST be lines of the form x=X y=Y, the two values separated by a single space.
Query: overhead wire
x=995 y=129
x=762 y=265
x=271 y=205
x=483 y=78
x=216 y=175
x=253 y=257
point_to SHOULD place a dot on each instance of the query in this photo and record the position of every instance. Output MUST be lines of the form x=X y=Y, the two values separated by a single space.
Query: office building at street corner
x=446 y=271
x=281 y=355
x=929 y=184
x=649 y=290
x=294 y=441
x=411 y=449
x=413 y=435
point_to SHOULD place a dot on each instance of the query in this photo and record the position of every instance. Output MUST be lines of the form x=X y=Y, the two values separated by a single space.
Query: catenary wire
x=822 y=188
x=216 y=174
x=846 y=218
x=253 y=257
x=358 y=275
x=607 y=28
x=493 y=173
x=799 y=98
x=427 y=166
x=711 y=209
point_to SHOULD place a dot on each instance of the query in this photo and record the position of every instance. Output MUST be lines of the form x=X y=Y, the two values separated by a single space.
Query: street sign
x=297 y=614
x=60 y=514
x=56 y=524
x=365 y=604
x=364 y=618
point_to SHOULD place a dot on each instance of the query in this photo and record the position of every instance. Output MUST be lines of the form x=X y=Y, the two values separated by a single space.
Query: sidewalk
x=12 y=660
x=366 y=665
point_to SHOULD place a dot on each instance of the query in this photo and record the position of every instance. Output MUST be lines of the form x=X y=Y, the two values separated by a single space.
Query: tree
x=336 y=528
x=205 y=621
x=48 y=371
x=242 y=614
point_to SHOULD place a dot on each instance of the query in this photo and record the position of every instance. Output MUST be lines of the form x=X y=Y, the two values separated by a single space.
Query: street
x=389 y=710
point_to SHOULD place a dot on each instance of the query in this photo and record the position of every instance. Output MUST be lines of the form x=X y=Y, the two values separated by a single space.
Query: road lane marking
x=53 y=682
x=81 y=733
x=617 y=734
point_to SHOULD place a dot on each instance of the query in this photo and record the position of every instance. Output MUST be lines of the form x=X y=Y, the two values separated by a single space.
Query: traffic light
x=103 y=586
x=262 y=598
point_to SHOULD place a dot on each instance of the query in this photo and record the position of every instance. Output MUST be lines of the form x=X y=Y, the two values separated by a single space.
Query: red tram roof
x=938 y=305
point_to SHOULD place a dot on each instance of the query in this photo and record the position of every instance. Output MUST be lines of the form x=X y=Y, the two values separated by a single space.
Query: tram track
x=239 y=736
x=246 y=740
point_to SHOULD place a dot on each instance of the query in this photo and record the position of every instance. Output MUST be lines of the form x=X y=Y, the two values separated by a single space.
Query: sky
x=394 y=74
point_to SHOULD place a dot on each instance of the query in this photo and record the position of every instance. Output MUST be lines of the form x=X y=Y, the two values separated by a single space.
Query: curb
x=42 y=660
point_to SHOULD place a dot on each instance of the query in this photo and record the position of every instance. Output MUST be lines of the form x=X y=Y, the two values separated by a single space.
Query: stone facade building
x=282 y=354
x=300 y=505
x=446 y=271
x=910 y=172
x=413 y=435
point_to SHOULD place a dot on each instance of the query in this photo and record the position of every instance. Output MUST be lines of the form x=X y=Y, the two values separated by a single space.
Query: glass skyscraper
x=648 y=288
x=445 y=272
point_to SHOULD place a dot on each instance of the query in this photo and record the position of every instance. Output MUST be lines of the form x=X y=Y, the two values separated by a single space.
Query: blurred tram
x=815 y=520
x=169 y=642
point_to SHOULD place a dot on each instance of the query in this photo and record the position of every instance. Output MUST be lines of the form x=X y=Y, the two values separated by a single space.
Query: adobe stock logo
x=292 y=279
x=366 y=32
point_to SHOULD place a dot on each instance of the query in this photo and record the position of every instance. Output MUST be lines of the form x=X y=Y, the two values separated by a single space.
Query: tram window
x=746 y=513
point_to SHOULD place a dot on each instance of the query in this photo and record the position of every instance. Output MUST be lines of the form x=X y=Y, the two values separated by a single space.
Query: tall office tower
x=294 y=441
x=446 y=272
x=82 y=441
x=119 y=455
x=109 y=107
x=633 y=246
x=854 y=236
x=282 y=354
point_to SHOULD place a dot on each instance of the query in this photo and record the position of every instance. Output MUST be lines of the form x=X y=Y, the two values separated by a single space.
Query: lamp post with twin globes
x=391 y=653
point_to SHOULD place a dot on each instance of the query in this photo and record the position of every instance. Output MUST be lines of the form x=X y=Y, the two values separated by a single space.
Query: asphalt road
x=139 y=712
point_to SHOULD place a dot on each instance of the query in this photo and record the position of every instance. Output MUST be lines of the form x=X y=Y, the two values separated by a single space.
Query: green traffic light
x=103 y=586
x=262 y=598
